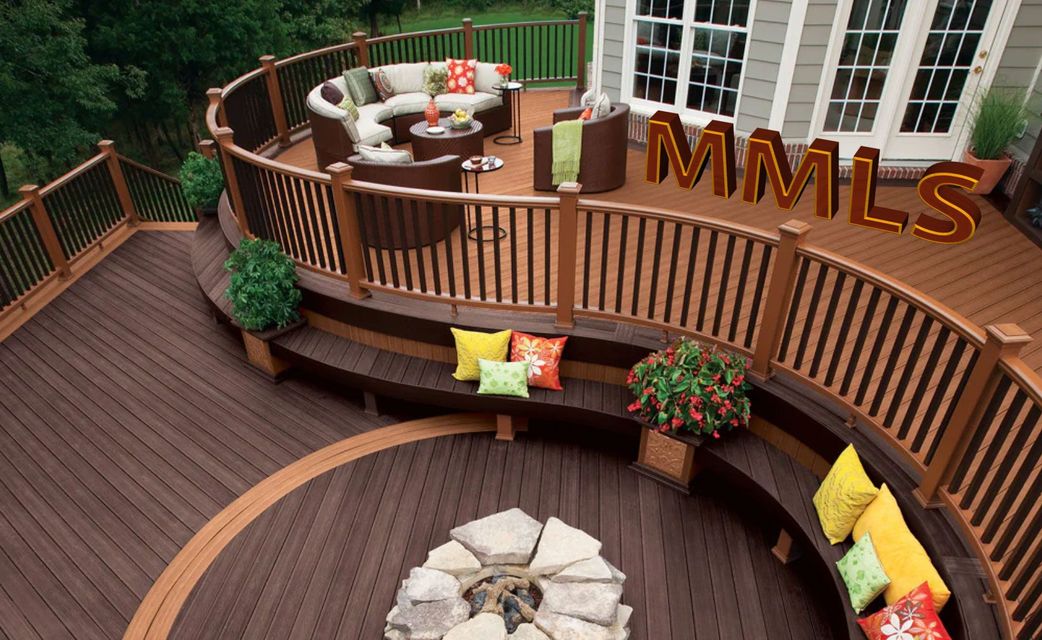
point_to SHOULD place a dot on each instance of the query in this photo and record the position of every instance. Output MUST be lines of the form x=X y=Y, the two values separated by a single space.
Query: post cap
x=26 y=189
x=338 y=169
x=267 y=59
x=214 y=93
x=467 y=20
x=358 y=35
x=569 y=188
x=223 y=133
x=794 y=228
x=1007 y=333
x=105 y=144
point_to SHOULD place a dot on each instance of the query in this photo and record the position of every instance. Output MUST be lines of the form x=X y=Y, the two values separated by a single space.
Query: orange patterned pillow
x=461 y=75
x=910 y=618
x=543 y=356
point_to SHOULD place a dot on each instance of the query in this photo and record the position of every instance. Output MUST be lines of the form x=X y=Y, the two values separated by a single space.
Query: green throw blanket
x=568 y=142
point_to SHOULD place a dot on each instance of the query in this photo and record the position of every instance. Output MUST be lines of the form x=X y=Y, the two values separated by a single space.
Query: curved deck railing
x=953 y=399
x=47 y=233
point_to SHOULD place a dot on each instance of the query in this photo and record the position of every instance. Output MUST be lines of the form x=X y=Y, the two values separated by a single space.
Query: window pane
x=657 y=61
x=673 y=9
x=865 y=58
x=944 y=67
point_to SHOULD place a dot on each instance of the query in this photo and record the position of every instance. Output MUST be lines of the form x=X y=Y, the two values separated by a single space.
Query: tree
x=53 y=99
x=371 y=10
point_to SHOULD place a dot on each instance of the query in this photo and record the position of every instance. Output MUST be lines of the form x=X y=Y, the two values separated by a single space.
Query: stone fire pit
x=509 y=576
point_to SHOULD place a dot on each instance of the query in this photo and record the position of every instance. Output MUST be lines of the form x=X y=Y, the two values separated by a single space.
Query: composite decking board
x=116 y=436
x=376 y=542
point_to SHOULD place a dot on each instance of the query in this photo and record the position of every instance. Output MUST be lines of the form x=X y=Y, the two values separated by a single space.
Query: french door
x=905 y=74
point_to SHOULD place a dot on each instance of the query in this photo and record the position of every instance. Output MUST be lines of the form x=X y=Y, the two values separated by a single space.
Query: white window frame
x=688 y=26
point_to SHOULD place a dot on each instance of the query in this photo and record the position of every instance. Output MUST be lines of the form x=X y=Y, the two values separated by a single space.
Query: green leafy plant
x=998 y=120
x=691 y=387
x=263 y=286
x=201 y=180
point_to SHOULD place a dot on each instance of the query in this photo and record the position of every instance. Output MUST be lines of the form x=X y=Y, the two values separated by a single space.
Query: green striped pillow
x=360 y=86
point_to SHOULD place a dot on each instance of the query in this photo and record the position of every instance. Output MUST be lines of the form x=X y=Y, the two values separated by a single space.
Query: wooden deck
x=128 y=421
x=992 y=278
x=326 y=560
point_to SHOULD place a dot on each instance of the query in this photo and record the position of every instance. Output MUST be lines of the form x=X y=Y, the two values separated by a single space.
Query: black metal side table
x=488 y=164
x=511 y=91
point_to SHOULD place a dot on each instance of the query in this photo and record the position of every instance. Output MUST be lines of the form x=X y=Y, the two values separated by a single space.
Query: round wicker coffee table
x=462 y=142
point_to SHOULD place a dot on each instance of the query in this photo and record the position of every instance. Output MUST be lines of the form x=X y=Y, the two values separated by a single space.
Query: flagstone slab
x=508 y=537
x=562 y=545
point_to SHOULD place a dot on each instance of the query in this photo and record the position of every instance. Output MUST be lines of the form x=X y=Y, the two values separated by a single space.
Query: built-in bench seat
x=768 y=476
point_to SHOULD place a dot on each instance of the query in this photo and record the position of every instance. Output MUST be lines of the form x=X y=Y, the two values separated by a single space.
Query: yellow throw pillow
x=903 y=558
x=843 y=495
x=474 y=345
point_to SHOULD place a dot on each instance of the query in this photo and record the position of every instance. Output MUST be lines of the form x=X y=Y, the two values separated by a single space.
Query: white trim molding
x=787 y=65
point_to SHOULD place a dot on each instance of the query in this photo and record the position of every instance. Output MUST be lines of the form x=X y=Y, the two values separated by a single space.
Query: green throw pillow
x=863 y=573
x=503 y=378
x=435 y=81
x=360 y=86
x=348 y=105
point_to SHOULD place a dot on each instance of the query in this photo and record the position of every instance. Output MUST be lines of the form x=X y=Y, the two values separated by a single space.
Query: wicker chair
x=391 y=223
x=604 y=146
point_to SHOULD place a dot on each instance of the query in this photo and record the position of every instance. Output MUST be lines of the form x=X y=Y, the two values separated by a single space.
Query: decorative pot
x=431 y=113
x=993 y=171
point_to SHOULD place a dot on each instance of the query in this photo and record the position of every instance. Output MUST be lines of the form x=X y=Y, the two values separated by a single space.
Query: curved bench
x=767 y=474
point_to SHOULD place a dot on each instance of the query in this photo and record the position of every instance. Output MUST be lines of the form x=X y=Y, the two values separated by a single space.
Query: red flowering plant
x=504 y=69
x=691 y=387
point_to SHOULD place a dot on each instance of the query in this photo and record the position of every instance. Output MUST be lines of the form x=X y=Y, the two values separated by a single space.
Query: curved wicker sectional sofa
x=389 y=121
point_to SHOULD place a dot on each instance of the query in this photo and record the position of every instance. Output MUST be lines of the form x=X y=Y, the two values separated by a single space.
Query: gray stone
x=428 y=585
x=528 y=631
x=595 y=569
x=431 y=620
x=394 y=634
x=622 y=617
x=617 y=576
x=452 y=557
x=507 y=537
x=561 y=627
x=484 y=626
x=593 y=602
x=562 y=545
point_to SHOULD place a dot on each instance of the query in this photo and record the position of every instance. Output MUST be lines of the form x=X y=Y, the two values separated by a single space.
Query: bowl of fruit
x=461 y=119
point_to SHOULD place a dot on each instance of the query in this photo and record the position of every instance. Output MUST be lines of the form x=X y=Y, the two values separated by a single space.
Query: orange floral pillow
x=461 y=75
x=543 y=356
x=910 y=618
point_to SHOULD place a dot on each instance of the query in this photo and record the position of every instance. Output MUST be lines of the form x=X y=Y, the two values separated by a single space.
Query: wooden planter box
x=668 y=457
x=258 y=350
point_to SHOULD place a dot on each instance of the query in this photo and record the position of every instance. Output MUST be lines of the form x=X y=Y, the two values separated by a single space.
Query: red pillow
x=461 y=75
x=913 y=617
x=586 y=114
x=543 y=356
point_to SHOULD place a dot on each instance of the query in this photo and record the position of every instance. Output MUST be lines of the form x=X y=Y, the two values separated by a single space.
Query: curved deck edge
x=158 y=611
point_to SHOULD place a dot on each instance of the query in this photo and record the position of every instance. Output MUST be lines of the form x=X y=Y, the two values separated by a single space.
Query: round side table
x=511 y=91
x=462 y=142
x=484 y=232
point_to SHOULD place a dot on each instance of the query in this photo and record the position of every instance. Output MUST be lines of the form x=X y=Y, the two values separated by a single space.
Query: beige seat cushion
x=375 y=111
x=386 y=156
x=319 y=105
x=476 y=102
x=406 y=103
x=371 y=133
x=406 y=77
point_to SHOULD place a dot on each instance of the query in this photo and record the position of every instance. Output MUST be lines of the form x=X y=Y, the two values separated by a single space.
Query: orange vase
x=431 y=113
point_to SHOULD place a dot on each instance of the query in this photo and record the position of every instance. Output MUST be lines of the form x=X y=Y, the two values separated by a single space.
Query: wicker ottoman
x=462 y=142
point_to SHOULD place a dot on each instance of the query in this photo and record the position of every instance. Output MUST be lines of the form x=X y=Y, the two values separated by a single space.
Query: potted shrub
x=997 y=120
x=265 y=299
x=691 y=388
x=201 y=182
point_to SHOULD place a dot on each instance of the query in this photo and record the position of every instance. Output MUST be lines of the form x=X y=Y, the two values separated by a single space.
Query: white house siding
x=613 y=44
x=1018 y=67
x=810 y=68
x=764 y=52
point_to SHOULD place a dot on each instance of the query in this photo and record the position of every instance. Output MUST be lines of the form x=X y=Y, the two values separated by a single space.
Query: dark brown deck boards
x=127 y=420
x=358 y=529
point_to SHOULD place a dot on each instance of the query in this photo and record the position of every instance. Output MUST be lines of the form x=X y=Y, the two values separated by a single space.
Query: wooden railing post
x=580 y=81
x=208 y=148
x=278 y=109
x=225 y=138
x=31 y=192
x=216 y=99
x=468 y=38
x=567 y=238
x=1003 y=341
x=779 y=290
x=350 y=233
x=362 y=48
x=108 y=147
